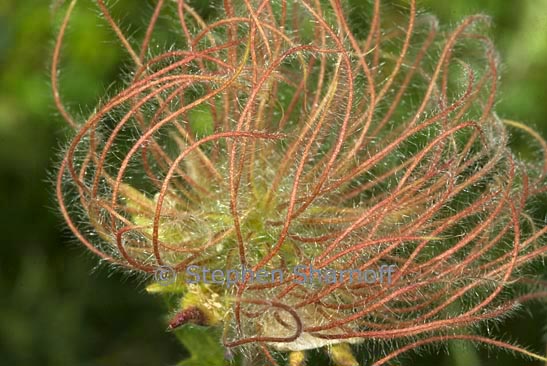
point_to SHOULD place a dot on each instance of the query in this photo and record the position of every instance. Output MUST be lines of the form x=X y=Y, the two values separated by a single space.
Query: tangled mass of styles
x=275 y=135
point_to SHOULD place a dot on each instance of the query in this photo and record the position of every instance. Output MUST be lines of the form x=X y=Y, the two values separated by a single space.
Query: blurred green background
x=57 y=306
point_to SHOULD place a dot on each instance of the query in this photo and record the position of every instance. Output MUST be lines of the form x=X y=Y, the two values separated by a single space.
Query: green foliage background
x=57 y=307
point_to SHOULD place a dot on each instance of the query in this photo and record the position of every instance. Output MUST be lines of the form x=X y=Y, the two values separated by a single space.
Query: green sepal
x=203 y=344
x=162 y=288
